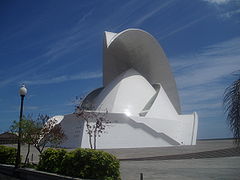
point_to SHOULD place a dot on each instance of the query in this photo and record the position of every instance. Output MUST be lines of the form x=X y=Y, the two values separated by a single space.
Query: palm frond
x=231 y=102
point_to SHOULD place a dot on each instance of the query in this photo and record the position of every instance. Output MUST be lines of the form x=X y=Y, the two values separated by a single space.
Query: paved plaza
x=227 y=168
x=202 y=146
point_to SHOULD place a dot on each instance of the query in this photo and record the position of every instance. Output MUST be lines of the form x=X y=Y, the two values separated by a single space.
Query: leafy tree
x=28 y=131
x=51 y=133
x=96 y=121
x=39 y=133
x=231 y=103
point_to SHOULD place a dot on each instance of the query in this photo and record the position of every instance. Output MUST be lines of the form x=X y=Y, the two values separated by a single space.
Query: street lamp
x=22 y=93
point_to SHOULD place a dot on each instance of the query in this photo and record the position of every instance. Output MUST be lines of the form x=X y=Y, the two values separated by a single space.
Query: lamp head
x=22 y=90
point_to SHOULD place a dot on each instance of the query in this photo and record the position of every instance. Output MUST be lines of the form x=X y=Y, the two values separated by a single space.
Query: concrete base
x=131 y=131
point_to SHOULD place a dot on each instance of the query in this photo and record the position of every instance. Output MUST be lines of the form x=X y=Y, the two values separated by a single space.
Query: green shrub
x=82 y=163
x=51 y=160
x=7 y=155
x=93 y=164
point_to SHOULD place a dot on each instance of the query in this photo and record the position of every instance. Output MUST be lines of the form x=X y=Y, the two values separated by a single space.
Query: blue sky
x=55 y=47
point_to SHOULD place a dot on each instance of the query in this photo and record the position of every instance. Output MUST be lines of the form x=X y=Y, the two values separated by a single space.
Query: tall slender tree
x=28 y=130
x=96 y=121
x=231 y=103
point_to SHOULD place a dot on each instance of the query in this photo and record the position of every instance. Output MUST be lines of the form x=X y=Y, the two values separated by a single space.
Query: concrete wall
x=132 y=132
x=9 y=172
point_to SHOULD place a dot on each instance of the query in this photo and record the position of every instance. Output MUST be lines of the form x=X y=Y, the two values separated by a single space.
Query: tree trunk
x=43 y=146
x=95 y=138
x=95 y=142
x=89 y=133
x=27 y=154
x=38 y=148
x=90 y=140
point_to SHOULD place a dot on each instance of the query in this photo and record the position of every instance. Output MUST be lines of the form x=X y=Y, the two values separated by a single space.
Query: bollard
x=141 y=176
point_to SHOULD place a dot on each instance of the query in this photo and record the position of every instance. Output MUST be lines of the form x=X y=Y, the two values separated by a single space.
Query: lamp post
x=22 y=93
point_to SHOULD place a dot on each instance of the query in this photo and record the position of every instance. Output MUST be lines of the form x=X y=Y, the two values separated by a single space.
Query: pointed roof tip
x=130 y=72
x=109 y=36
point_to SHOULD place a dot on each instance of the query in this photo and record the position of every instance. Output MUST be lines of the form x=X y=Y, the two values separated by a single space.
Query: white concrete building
x=140 y=94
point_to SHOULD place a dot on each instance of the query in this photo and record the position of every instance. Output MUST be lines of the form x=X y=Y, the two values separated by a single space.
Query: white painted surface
x=162 y=107
x=109 y=37
x=128 y=94
x=73 y=129
x=125 y=136
x=180 y=130
x=130 y=132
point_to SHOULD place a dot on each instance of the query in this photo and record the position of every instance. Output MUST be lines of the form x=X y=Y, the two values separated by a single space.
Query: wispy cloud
x=226 y=9
x=64 y=78
x=229 y=14
x=31 y=108
x=68 y=42
x=152 y=13
x=217 y=1
x=182 y=27
x=211 y=65
x=15 y=109
x=203 y=77
x=72 y=39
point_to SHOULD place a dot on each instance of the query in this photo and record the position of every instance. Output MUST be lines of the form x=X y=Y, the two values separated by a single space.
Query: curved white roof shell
x=127 y=94
x=137 y=49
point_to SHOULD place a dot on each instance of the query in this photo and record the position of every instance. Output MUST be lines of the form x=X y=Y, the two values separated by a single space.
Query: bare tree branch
x=96 y=121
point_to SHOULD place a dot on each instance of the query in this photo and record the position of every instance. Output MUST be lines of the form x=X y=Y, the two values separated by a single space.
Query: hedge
x=82 y=163
x=7 y=155
x=51 y=160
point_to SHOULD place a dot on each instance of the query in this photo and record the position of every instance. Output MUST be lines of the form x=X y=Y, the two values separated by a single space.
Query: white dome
x=128 y=93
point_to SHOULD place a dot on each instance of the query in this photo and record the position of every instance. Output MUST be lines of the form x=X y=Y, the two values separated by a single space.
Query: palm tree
x=231 y=102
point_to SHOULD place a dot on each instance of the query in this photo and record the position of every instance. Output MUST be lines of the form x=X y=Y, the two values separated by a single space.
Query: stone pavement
x=148 y=161
x=202 y=146
x=227 y=168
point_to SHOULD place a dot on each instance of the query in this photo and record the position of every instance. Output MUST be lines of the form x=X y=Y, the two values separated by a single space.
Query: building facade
x=139 y=92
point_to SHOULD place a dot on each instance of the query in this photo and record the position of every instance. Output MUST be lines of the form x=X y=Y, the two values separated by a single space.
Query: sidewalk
x=227 y=168
x=202 y=146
